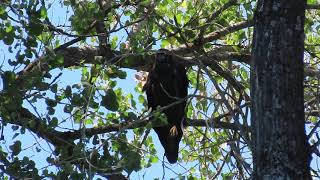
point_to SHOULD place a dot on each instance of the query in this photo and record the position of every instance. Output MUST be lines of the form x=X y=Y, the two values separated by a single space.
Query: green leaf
x=59 y=60
x=35 y=27
x=43 y=12
x=2 y=10
x=132 y=161
x=244 y=73
x=51 y=103
x=68 y=91
x=165 y=43
x=160 y=119
x=54 y=122
x=8 y=79
x=68 y=108
x=114 y=42
x=122 y=74
x=154 y=159
x=88 y=121
x=112 y=84
x=8 y=39
x=141 y=99
x=50 y=160
x=9 y=29
x=3 y=16
x=51 y=110
x=31 y=42
x=16 y=148
x=110 y=101
x=54 y=88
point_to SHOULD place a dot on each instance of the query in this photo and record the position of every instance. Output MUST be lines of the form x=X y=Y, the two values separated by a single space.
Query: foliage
x=70 y=108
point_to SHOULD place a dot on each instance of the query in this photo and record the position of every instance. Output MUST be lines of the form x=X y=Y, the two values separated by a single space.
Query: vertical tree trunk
x=280 y=147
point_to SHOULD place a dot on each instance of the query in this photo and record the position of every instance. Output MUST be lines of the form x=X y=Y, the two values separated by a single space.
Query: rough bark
x=280 y=147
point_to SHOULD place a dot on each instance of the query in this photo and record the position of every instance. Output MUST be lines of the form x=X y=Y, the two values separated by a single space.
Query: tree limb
x=58 y=138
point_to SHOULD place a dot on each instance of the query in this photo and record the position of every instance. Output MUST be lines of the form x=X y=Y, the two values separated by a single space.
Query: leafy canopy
x=71 y=109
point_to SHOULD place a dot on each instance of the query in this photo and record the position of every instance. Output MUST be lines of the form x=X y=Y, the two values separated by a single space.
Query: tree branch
x=58 y=138
x=26 y=119
x=189 y=47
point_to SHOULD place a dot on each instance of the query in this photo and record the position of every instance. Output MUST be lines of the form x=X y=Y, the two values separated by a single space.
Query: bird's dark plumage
x=167 y=83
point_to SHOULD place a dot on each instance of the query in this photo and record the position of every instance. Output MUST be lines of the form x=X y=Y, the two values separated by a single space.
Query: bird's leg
x=174 y=131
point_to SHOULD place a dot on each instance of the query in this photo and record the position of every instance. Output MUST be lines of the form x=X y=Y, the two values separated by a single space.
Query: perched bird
x=167 y=83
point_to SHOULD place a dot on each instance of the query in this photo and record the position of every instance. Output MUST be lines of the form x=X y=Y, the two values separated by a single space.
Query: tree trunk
x=280 y=147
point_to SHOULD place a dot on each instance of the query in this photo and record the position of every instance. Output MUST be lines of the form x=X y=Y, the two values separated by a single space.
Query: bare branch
x=189 y=47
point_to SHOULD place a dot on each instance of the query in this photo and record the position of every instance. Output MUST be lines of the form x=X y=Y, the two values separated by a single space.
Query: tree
x=94 y=125
x=280 y=148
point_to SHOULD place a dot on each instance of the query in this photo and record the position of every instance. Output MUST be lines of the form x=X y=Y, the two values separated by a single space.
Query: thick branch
x=28 y=120
x=57 y=138
x=77 y=56
x=214 y=123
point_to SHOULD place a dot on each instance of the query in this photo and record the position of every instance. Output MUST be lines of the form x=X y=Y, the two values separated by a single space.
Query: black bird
x=167 y=83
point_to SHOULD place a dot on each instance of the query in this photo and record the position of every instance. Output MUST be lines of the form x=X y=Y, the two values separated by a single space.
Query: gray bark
x=280 y=147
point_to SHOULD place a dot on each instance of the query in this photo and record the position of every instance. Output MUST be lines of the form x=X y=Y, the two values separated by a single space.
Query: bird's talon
x=174 y=131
